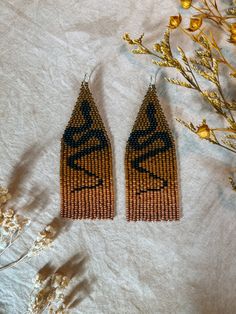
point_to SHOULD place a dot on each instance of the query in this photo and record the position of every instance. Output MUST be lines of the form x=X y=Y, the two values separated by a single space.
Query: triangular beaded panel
x=86 y=163
x=150 y=166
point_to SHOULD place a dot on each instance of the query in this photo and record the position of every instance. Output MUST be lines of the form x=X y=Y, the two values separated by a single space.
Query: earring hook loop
x=153 y=78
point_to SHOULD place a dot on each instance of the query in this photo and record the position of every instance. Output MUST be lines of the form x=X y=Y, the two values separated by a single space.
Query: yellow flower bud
x=233 y=29
x=195 y=23
x=203 y=130
x=186 y=4
x=232 y=38
x=175 y=21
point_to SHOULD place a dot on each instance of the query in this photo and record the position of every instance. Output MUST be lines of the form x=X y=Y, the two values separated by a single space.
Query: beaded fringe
x=150 y=166
x=86 y=163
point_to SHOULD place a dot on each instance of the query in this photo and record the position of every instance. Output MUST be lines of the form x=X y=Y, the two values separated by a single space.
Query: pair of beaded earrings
x=86 y=176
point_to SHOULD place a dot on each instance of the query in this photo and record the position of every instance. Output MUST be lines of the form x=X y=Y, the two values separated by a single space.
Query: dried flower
x=137 y=41
x=48 y=232
x=186 y=4
x=204 y=64
x=4 y=195
x=231 y=11
x=195 y=24
x=203 y=131
x=233 y=28
x=175 y=21
x=127 y=38
x=233 y=33
x=49 y=293
x=38 y=279
x=11 y=224
x=59 y=280
x=43 y=241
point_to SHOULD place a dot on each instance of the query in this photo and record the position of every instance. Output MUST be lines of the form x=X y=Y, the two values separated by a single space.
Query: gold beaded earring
x=86 y=163
x=150 y=165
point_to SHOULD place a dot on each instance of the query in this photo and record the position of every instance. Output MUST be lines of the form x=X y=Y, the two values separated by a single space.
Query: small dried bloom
x=56 y=280
x=136 y=41
x=195 y=23
x=203 y=131
x=3 y=190
x=49 y=295
x=39 y=278
x=233 y=28
x=65 y=281
x=127 y=38
x=9 y=213
x=233 y=33
x=59 y=280
x=4 y=195
x=44 y=240
x=11 y=225
x=186 y=4
x=175 y=21
x=157 y=47
x=231 y=11
x=48 y=232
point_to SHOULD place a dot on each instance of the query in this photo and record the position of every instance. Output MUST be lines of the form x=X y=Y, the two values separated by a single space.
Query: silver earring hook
x=86 y=77
x=153 y=78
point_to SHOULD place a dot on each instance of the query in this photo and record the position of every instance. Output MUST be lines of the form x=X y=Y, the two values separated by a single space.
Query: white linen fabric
x=187 y=267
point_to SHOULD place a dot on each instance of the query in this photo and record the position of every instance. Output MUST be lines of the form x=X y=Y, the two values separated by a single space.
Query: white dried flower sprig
x=12 y=225
x=43 y=241
x=4 y=195
x=49 y=294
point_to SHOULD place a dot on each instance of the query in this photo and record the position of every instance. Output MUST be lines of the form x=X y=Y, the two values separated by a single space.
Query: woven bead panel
x=86 y=163
x=150 y=166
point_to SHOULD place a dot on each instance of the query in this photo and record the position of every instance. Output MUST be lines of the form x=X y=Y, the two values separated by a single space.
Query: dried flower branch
x=49 y=294
x=205 y=66
x=209 y=10
x=43 y=241
x=201 y=71
x=12 y=225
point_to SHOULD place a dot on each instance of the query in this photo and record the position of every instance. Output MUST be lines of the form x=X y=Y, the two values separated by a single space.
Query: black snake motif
x=134 y=142
x=86 y=135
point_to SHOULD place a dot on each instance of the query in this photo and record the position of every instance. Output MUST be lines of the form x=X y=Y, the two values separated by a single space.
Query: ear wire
x=153 y=78
x=86 y=77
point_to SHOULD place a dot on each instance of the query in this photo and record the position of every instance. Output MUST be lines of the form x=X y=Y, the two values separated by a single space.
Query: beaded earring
x=150 y=165
x=86 y=163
